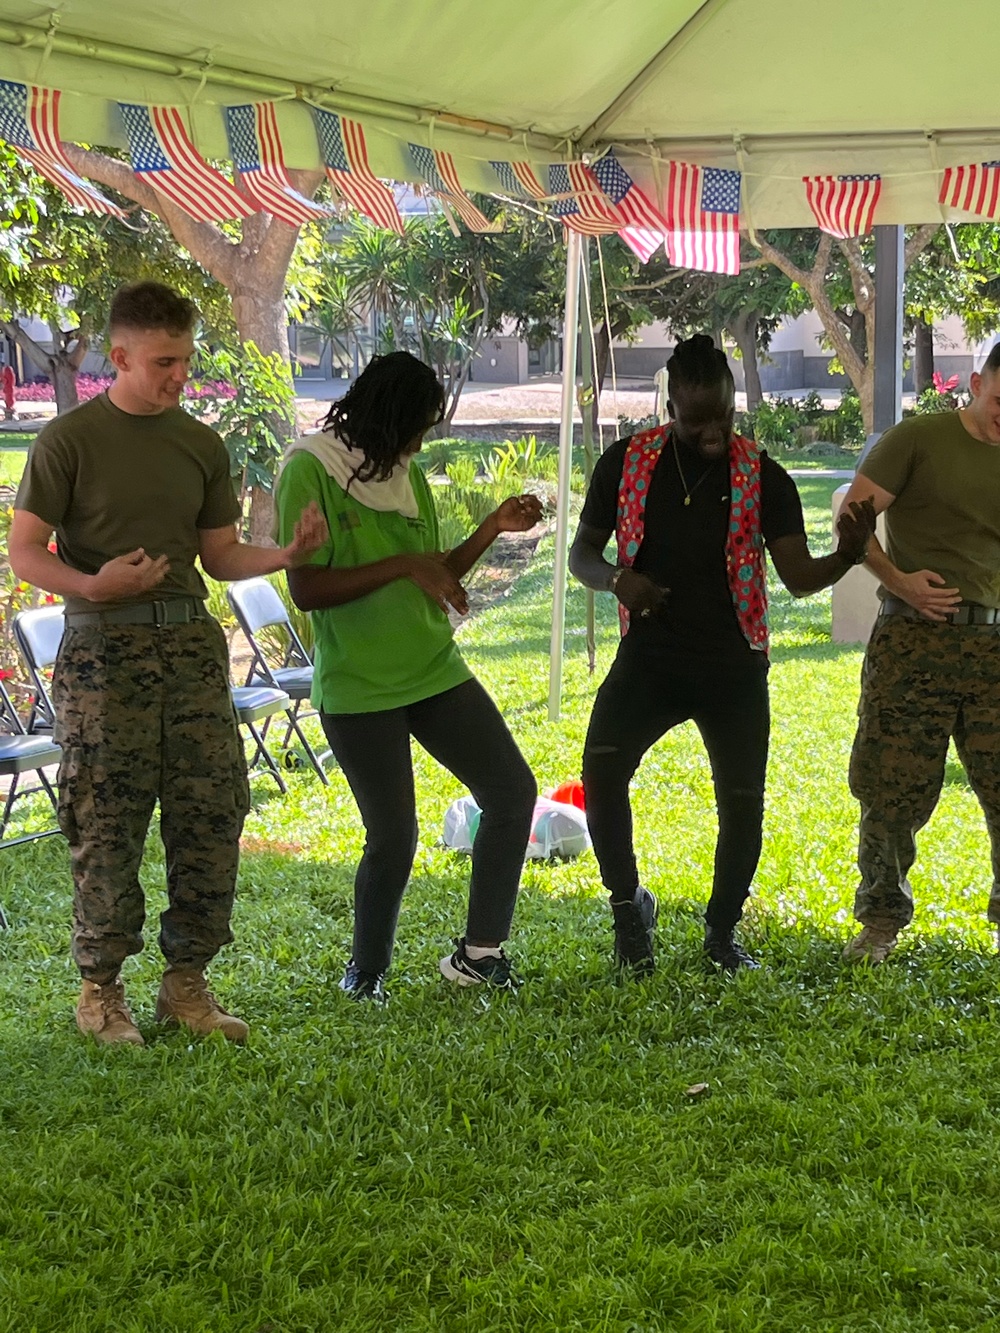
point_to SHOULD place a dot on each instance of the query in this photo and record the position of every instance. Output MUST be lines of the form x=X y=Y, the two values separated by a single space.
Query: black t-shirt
x=684 y=546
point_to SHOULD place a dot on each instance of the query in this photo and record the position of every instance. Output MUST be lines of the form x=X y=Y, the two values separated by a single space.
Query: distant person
x=692 y=507
x=932 y=668
x=135 y=491
x=387 y=667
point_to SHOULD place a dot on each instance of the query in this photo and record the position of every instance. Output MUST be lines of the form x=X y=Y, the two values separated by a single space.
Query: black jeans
x=463 y=730
x=642 y=698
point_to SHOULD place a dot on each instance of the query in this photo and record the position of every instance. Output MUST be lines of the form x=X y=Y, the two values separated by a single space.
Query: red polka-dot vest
x=744 y=543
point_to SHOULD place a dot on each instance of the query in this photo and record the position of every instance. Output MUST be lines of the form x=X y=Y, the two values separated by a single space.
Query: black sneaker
x=359 y=985
x=635 y=922
x=493 y=970
x=721 y=948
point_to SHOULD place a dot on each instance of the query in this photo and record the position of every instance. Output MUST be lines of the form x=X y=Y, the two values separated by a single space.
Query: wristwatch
x=613 y=581
x=858 y=560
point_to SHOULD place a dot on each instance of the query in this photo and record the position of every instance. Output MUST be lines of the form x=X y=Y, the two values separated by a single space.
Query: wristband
x=858 y=560
x=613 y=581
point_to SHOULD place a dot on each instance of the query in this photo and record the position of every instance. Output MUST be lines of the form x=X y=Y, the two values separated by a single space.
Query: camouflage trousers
x=921 y=684
x=145 y=713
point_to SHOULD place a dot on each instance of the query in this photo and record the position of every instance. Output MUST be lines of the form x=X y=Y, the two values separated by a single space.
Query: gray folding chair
x=258 y=606
x=38 y=633
x=20 y=754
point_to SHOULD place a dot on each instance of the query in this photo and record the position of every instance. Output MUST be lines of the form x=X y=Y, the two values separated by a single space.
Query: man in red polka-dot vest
x=693 y=506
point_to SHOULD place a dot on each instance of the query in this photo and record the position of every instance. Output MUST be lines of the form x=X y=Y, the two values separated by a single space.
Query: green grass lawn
x=460 y=1162
x=12 y=461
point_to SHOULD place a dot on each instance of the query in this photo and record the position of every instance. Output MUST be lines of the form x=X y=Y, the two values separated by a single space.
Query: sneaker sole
x=448 y=970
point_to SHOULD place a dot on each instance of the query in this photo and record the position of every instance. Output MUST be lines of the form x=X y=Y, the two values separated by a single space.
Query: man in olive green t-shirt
x=135 y=490
x=932 y=668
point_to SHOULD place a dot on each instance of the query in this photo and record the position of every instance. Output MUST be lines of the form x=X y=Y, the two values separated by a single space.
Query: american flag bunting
x=843 y=205
x=703 y=218
x=29 y=121
x=645 y=227
x=972 y=189
x=345 y=156
x=438 y=170
x=578 y=201
x=255 y=147
x=164 y=156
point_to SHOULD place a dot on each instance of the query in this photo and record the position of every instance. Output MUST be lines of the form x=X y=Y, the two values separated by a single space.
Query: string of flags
x=695 y=219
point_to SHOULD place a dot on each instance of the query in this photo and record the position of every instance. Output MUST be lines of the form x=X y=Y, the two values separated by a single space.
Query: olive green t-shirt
x=110 y=481
x=946 y=514
x=394 y=646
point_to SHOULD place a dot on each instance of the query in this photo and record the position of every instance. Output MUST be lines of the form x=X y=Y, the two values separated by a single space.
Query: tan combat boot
x=872 y=945
x=185 y=998
x=103 y=1012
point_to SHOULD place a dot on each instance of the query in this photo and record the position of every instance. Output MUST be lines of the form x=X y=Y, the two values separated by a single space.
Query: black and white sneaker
x=723 y=949
x=635 y=922
x=359 y=985
x=493 y=970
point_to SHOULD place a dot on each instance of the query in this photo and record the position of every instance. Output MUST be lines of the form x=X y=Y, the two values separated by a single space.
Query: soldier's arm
x=225 y=557
x=923 y=589
x=31 y=560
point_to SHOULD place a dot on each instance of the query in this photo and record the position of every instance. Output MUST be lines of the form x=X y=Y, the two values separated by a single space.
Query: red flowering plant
x=941 y=395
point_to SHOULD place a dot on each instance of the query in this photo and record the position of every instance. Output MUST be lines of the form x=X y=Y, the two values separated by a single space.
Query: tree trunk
x=744 y=331
x=923 y=354
x=63 y=374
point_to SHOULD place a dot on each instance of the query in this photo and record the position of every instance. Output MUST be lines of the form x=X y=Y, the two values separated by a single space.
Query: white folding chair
x=20 y=754
x=38 y=633
x=258 y=606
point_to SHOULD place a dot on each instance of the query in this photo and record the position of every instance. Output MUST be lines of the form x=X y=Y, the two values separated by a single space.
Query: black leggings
x=640 y=700
x=462 y=729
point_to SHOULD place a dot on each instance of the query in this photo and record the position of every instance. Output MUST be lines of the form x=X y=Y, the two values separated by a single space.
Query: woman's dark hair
x=393 y=400
x=697 y=363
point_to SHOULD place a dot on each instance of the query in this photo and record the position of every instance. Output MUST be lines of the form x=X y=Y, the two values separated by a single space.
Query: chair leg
x=3 y=919
x=293 y=725
x=8 y=804
x=263 y=753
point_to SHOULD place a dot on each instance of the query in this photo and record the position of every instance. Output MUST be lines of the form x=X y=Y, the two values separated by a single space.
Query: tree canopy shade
x=772 y=88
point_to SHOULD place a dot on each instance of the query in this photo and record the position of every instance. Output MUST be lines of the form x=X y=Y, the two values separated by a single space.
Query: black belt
x=176 y=611
x=965 y=613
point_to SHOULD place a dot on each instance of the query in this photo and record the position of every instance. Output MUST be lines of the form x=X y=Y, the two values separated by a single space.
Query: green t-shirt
x=946 y=514
x=110 y=481
x=394 y=646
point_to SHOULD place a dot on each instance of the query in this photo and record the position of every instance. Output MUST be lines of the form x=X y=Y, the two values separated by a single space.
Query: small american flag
x=438 y=170
x=164 y=156
x=255 y=147
x=519 y=179
x=972 y=189
x=703 y=218
x=578 y=201
x=843 y=205
x=646 y=228
x=345 y=156
x=29 y=121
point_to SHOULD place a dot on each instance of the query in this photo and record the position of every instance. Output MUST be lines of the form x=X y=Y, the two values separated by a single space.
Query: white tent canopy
x=780 y=88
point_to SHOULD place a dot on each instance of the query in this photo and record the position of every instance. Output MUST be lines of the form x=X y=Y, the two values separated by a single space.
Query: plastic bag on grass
x=556 y=829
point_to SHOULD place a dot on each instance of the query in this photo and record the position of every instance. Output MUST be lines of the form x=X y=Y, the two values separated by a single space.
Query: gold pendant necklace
x=680 y=473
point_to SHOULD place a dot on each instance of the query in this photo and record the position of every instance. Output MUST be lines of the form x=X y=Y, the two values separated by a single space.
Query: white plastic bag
x=461 y=820
x=557 y=830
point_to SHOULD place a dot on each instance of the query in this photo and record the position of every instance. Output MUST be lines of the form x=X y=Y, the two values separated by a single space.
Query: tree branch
x=920 y=239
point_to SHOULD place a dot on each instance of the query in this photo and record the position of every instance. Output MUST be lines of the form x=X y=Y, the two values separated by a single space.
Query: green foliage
x=256 y=423
x=534 y=1162
x=847 y=427
x=776 y=423
x=936 y=400
x=634 y=425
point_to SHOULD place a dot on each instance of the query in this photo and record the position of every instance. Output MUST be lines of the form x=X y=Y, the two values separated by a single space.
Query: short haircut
x=393 y=400
x=992 y=362
x=152 y=305
x=697 y=363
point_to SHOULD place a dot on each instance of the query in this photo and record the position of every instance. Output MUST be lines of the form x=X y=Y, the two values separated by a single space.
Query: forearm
x=882 y=567
x=588 y=565
x=316 y=587
x=43 y=569
x=463 y=557
x=237 y=562
x=816 y=573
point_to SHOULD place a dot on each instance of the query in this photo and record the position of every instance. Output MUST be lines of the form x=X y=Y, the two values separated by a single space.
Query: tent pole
x=888 y=403
x=571 y=322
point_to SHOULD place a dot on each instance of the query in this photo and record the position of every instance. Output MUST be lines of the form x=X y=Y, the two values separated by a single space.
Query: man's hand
x=855 y=528
x=127 y=576
x=432 y=575
x=518 y=514
x=640 y=595
x=925 y=591
x=311 y=532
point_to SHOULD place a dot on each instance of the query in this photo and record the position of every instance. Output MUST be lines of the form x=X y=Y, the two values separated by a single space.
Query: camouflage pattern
x=145 y=713
x=921 y=683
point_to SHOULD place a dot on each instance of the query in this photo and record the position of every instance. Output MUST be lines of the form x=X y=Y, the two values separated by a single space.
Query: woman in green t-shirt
x=387 y=667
